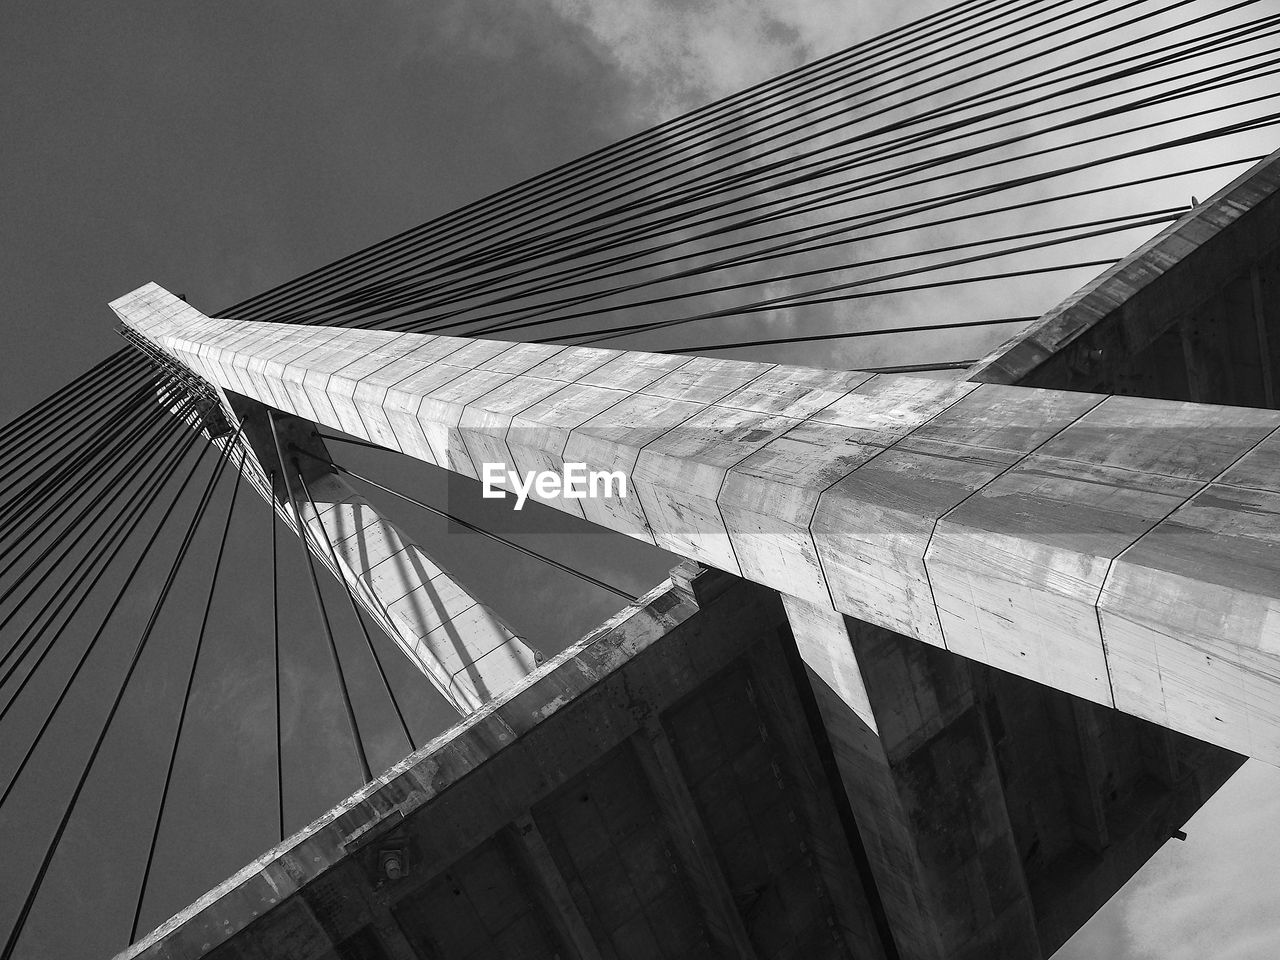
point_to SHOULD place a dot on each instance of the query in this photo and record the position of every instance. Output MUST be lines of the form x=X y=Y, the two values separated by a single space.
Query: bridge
x=942 y=662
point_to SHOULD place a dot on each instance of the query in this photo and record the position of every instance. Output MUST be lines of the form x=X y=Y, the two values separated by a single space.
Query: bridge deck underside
x=669 y=788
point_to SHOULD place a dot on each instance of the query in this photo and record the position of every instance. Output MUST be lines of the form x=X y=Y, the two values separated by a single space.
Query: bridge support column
x=467 y=651
x=461 y=644
x=914 y=754
x=1058 y=796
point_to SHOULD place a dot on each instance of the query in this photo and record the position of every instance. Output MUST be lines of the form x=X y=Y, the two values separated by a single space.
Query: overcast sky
x=219 y=149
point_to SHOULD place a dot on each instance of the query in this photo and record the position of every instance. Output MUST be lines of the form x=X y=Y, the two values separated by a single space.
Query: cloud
x=671 y=55
x=471 y=31
x=1207 y=897
x=677 y=56
x=1191 y=901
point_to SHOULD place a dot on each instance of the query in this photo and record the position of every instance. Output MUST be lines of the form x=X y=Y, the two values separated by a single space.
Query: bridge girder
x=1119 y=549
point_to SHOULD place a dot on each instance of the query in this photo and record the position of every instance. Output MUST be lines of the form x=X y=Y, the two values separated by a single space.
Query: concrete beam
x=1261 y=324
x=1119 y=549
x=467 y=651
x=556 y=895
x=662 y=771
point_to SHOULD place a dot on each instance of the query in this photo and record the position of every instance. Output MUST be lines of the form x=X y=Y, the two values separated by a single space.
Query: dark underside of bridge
x=680 y=784
x=670 y=790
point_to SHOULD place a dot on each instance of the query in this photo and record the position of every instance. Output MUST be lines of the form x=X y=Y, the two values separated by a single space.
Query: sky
x=219 y=149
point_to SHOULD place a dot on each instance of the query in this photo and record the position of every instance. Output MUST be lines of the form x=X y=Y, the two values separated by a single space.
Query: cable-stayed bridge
x=806 y=766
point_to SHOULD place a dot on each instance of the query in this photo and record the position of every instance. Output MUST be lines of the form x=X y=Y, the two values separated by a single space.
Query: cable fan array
x=949 y=176
x=1000 y=127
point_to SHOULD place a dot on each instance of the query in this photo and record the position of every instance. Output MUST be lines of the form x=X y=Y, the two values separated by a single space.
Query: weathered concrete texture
x=653 y=791
x=919 y=773
x=983 y=518
x=1017 y=568
x=465 y=648
x=462 y=646
x=1190 y=315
